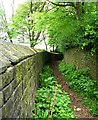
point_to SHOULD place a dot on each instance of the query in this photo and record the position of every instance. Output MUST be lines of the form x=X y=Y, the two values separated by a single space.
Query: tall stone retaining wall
x=82 y=59
x=19 y=74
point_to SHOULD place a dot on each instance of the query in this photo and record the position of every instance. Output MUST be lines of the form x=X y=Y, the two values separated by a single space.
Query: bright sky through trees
x=67 y=24
x=8 y=6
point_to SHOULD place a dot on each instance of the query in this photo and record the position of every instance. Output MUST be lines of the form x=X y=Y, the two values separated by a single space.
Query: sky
x=8 y=7
x=8 y=10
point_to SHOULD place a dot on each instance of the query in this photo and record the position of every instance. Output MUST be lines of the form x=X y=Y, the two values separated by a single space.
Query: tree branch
x=37 y=36
x=62 y=5
x=42 y=7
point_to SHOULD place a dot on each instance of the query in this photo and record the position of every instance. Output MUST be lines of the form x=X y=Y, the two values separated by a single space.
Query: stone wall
x=19 y=74
x=82 y=59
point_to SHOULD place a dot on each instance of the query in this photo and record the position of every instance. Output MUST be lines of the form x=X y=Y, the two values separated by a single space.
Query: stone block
x=17 y=111
x=0 y=113
x=32 y=81
x=8 y=90
x=16 y=102
x=29 y=113
x=17 y=94
x=6 y=93
x=16 y=97
x=32 y=69
x=7 y=108
x=30 y=74
x=22 y=108
x=23 y=66
x=1 y=99
x=19 y=73
x=26 y=97
x=28 y=63
x=4 y=63
x=24 y=71
x=15 y=53
x=6 y=77
x=25 y=82
x=13 y=85
x=9 y=51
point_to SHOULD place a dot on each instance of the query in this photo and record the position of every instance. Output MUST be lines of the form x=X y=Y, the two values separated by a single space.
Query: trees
x=89 y=25
x=67 y=24
x=61 y=26
x=22 y=23
x=70 y=24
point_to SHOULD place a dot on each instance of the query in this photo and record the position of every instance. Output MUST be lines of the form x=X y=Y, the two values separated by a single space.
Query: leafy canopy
x=60 y=25
x=65 y=30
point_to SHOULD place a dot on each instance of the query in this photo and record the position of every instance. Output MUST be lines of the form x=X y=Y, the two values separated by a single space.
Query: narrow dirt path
x=80 y=111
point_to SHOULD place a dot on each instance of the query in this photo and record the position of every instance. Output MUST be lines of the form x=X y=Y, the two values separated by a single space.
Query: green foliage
x=89 y=26
x=66 y=68
x=50 y=101
x=65 y=30
x=80 y=81
x=61 y=26
x=46 y=77
x=20 y=22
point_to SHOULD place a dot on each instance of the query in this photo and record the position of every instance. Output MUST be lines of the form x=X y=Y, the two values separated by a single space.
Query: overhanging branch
x=62 y=5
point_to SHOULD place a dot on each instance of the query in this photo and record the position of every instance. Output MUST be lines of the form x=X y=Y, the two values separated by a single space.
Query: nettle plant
x=50 y=100
x=80 y=81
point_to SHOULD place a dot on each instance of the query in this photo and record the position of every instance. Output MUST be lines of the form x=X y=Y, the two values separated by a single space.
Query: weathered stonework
x=19 y=74
x=82 y=59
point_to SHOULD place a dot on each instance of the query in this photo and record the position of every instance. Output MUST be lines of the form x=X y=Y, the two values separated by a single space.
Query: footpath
x=80 y=111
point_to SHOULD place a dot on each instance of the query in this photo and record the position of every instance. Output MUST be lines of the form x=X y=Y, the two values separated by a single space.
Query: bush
x=66 y=68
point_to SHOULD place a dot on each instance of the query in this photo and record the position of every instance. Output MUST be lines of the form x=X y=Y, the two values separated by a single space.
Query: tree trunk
x=31 y=34
x=53 y=48
x=31 y=5
x=77 y=9
x=44 y=41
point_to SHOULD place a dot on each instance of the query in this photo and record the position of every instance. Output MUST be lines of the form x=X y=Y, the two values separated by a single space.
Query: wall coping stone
x=11 y=54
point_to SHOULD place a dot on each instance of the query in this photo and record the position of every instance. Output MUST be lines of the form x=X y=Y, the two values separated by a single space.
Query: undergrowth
x=80 y=81
x=50 y=100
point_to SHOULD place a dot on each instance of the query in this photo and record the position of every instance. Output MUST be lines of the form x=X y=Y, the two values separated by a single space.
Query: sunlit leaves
x=90 y=26
x=64 y=30
x=60 y=24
